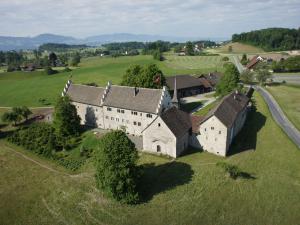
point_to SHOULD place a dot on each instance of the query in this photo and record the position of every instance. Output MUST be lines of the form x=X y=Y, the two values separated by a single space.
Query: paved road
x=294 y=79
x=238 y=64
x=279 y=116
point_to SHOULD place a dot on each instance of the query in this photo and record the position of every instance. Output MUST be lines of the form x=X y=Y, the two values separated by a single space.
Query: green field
x=189 y=190
x=21 y=88
x=194 y=63
x=238 y=48
x=288 y=97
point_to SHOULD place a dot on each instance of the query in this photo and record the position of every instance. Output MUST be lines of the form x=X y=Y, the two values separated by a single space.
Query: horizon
x=169 y=18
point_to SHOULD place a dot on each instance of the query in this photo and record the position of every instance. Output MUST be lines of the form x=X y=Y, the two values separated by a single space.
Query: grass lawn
x=288 y=97
x=188 y=107
x=197 y=64
x=21 y=88
x=206 y=109
x=239 y=48
x=189 y=190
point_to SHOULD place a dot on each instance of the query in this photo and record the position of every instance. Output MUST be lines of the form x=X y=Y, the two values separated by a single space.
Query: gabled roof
x=178 y=122
x=196 y=121
x=213 y=78
x=183 y=81
x=229 y=108
x=85 y=94
x=136 y=99
x=253 y=62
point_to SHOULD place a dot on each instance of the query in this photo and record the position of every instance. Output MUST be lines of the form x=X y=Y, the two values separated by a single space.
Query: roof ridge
x=115 y=85
x=84 y=85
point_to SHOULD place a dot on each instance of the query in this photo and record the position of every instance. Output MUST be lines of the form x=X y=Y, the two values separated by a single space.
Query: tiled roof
x=85 y=94
x=178 y=122
x=229 y=108
x=253 y=62
x=196 y=121
x=136 y=99
x=183 y=81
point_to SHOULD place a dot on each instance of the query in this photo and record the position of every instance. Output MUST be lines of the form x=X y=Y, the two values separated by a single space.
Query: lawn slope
x=189 y=190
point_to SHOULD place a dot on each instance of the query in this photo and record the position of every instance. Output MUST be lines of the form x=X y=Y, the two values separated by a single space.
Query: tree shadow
x=90 y=117
x=247 y=137
x=191 y=150
x=159 y=178
x=246 y=175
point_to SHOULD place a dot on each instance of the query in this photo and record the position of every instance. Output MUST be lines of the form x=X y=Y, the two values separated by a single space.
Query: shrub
x=50 y=71
x=233 y=171
x=116 y=171
x=39 y=138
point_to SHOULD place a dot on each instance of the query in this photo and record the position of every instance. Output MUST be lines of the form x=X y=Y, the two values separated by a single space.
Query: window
x=118 y=110
x=108 y=109
x=158 y=148
x=141 y=114
x=112 y=118
x=134 y=123
x=106 y=117
x=117 y=119
x=216 y=139
x=134 y=113
x=123 y=120
x=149 y=115
x=139 y=124
x=212 y=128
x=220 y=132
x=96 y=110
x=122 y=111
x=159 y=124
x=77 y=107
x=204 y=129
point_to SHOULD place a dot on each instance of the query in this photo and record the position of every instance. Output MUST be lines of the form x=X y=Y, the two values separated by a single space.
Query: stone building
x=219 y=127
x=152 y=115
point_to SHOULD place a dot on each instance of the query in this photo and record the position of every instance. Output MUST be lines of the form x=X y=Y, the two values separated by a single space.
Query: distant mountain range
x=17 y=43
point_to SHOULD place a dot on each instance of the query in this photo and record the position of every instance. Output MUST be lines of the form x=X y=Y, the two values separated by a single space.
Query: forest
x=271 y=39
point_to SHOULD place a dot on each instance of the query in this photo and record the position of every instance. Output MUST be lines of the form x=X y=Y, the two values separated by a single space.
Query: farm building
x=151 y=115
x=187 y=85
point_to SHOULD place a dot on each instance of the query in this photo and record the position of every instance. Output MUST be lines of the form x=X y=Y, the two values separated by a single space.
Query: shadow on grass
x=159 y=178
x=247 y=138
x=247 y=176
x=189 y=107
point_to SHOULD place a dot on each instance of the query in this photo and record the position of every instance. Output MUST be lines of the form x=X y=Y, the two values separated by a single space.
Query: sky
x=182 y=18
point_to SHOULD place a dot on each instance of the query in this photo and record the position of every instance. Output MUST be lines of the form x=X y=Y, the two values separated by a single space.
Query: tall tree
x=189 y=48
x=130 y=78
x=247 y=76
x=66 y=121
x=117 y=172
x=229 y=80
x=52 y=59
x=76 y=59
x=151 y=77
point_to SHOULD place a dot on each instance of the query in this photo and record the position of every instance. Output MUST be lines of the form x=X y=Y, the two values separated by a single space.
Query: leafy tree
x=130 y=78
x=25 y=112
x=76 y=59
x=189 y=48
x=229 y=80
x=262 y=75
x=247 y=76
x=66 y=121
x=11 y=117
x=148 y=77
x=244 y=59
x=52 y=59
x=157 y=55
x=151 y=77
x=117 y=172
x=225 y=59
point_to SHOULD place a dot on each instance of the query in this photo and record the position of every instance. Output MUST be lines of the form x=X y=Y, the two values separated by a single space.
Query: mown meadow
x=188 y=190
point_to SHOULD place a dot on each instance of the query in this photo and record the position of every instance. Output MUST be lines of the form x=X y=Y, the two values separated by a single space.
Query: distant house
x=187 y=85
x=30 y=67
x=254 y=61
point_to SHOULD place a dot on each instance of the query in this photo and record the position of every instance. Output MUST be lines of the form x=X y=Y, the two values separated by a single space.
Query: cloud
x=200 y=18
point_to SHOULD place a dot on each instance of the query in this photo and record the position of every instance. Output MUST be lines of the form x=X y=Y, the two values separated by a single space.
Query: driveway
x=279 y=116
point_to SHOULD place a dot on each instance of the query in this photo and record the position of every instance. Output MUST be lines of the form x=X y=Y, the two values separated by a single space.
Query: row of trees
x=291 y=64
x=271 y=39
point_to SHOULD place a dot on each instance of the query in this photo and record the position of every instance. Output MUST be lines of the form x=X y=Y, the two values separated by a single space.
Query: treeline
x=11 y=58
x=291 y=64
x=126 y=46
x=54 y=47
x=271 y=39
